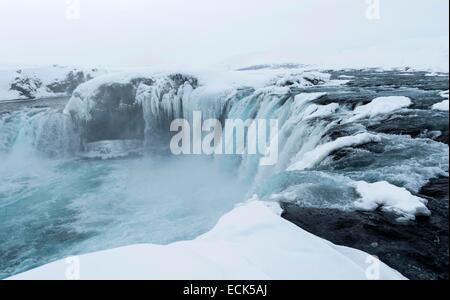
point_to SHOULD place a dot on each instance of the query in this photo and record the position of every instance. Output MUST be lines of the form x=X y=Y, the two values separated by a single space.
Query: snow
x=211 y=83
x=419 y=54
x=81 y=101
x=390 y=198
x=442 y=106
x=45 y=75
x=302 y=79
x=380 y=106
x=323 y=111
x=250 y=242
x=318 y=154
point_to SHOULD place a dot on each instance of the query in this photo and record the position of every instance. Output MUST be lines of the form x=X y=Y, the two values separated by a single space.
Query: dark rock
x=26 y=86
x=417 y=249
x=70 y=83
x=116 y=114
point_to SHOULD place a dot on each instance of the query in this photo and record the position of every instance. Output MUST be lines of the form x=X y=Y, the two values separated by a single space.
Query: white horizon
x=202 y=33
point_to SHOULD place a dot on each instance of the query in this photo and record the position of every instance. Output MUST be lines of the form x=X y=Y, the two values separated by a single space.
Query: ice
x=212 y=82
x=390 y=198
x=314 y=157
x=251 y=242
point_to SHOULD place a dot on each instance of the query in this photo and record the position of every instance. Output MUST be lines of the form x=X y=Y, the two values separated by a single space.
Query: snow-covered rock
x=442 y=106
x=380 y=106
x=322 y=111
x=303 y=79
x=125 y=106
x=250 y=242
x=133 y=105
x=35 y=83
x=390 y=198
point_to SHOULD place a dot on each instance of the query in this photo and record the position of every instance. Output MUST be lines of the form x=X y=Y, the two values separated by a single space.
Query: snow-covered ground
x=250 y=242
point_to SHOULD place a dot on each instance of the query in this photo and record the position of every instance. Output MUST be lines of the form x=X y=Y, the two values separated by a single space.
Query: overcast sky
x=137 y=33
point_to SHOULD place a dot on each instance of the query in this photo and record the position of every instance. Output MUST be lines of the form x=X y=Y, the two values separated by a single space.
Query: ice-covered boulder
x=26 y=86
x=124 y=106
x=303 y=79
x=43 y=82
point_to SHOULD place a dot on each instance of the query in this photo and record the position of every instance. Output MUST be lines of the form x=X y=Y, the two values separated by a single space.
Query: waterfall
x=39 y=130
x=120 y=112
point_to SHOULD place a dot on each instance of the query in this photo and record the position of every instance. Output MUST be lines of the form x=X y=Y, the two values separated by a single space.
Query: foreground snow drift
x=251 y=242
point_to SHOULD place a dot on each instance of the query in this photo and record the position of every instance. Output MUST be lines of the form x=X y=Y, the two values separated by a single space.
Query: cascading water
x=98 y=174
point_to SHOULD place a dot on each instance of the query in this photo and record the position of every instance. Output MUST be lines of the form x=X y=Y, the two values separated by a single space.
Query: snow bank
x=315 y=156
x=390 y=198
x=44 y=82
x=250 y=242
x=380 y=106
